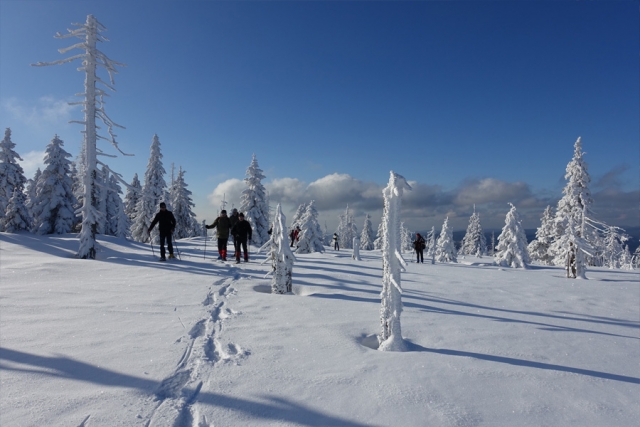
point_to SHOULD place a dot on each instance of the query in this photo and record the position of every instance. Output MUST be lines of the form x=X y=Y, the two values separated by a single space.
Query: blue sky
x=474 y=102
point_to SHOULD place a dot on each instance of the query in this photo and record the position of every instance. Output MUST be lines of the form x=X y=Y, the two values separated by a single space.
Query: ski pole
x=175 y=245
x=151 y=243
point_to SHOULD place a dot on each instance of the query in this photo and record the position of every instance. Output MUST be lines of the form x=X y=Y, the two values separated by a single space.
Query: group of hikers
x=240 y=229
x=234 y=225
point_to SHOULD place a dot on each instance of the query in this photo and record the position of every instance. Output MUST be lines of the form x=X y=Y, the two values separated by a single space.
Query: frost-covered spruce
x=390 y=338
x=310 y=237
x=539 y=247
x=54 y=206
x=134 y=192
x=512 y=242
x=614 y=240
x=366 y=236
x=297 y=217
x=117 y=222
x=431 y=245
x=280 y=254
x=407 y=239
x=573 y=249
x=152 y=194
x=575 y=203
x=474 y=242
x=32 y=191
x=93 y=108
x=636 y=258
x=102 y=191
x=626 y=260
x=182 y=208
x=347 y=229
x=11 y=173
x=377 y=244
x=356 y=249
x=445 y=248
x=254 y=203
x=16 y=216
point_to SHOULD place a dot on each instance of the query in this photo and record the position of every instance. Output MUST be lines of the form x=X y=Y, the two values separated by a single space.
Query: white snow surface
x=127 y=341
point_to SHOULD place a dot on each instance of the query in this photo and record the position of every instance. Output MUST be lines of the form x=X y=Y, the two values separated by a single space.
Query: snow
x=126 y=340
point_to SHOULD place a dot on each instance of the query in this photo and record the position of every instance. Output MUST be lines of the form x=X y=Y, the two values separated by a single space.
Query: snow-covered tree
x=117 y=222
x=11 y=173
x=254 y=204
x=310 y=237
x=512 y=242
x=134 y=192
x=390 y=338
x=626 y=259
x=54 y=206
x=573 y=249
x=474 y=242
x=182 y=208
x=366 y=236
x=431 y=243
x=377 y=244
x=356 y=249
x=576 y=202
x=280 y=254
x=102 y=194
x=445 y=248
x=539 y=247
x=93 y=108
x=346 y=230
x=16 y=217
x=32 y=192
x=406 y=244
x=152 y=195
x=614 y=240
x=636 y=258
x=297 y=217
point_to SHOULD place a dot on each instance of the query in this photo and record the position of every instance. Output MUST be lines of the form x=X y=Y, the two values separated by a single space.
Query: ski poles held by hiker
x=166 y=224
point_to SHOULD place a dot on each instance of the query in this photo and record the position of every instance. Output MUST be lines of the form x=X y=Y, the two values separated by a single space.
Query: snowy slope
x=128 y=341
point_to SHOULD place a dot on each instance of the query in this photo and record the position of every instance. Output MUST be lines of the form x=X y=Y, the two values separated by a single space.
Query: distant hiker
x=419 y=245
x=233 y=218
x=241 y=232
x=222 y=224
x=294 y=235
x=336 y=246
x=166 y=224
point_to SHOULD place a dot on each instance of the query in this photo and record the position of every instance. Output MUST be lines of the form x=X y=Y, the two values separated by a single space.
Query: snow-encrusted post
x=356 y=249
x=390 y=338
x=93 y=107
x=280 y=255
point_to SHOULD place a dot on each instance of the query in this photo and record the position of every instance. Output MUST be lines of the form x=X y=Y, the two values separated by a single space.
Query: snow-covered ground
x=128 y=341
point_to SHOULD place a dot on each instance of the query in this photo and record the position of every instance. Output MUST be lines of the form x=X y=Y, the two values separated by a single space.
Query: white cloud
x=45 y=112
x=31 y=162
x=229 y=190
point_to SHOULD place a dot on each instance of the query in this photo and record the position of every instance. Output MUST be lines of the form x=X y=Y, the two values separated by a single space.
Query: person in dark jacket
x=222 y=224
x=233 y=219
x=166 y=224
x=419 y=245
x=241 y=232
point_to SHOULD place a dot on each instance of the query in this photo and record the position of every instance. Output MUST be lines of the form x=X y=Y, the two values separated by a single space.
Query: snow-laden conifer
x=431 y=245
x=512 y=242
x=636 y=258
x=93 y=108
x=31 y=194
x=297 y=216
x=254 y=203
x=356 y=249
x=377 y=243
x=390 y=338
x=346 y=230
x=152 y=194
x=626 y=259
x=16 y=217
x=11 y=173
x=280 y=254
x=102 y=194
x=539 y=248
x=575 y=203
x=366 y=236
x=474 y=242
x=310 y=237
x=134 y=192
x=117 y=222
x=406 y=244
x=182 y=208
x=54 y=206
x=614 y=240
x=445 y=248
x=573 y=249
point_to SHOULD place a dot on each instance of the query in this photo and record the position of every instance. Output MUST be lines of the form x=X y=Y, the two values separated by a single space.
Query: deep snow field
x=127 y=341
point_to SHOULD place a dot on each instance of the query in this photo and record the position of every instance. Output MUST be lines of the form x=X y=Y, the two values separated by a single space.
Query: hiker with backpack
x=419 y=245
x=241 y=233
x=166 y=224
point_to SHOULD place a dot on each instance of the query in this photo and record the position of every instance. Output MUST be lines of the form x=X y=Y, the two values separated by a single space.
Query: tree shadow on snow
x=271 y=408
x=525 y=363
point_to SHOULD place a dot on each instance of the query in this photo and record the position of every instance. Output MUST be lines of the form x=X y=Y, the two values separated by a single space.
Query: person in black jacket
x=241 y=231
x=419 y=245
x=166 y=224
